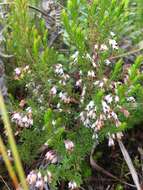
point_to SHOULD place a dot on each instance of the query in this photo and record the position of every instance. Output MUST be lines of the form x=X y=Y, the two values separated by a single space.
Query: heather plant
x=73 y=95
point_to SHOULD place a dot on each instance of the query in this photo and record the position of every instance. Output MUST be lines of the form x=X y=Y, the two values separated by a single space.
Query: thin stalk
x=129 y=164
x=126 y=54
x=12 y=143
x=8 y=164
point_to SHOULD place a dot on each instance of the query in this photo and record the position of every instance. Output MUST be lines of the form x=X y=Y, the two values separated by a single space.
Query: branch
x=5 y=55
x=130 y=164
x=31 y=7
x=95 y=166
x=126 y=54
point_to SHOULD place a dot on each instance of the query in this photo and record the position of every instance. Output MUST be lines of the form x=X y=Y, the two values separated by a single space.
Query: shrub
x=75 y=96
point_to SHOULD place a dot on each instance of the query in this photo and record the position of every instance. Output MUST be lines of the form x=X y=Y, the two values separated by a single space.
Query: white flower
x=72 y=185
x=112 y=34
x=119 y=135
x=83 y=94
x=95 y=136
x=88 y=56
x=107 y=62
x=63 y=96
x=80 y=72
x=58 y=105
x=114 y=115
x=49 y=176
x=102 y=117
x=39 y=184
x=25 y=119
x=113 y=43
x=65 y=76
x=39 y=175
x=75 y=55
x=110 y=141
x=16 y=116
x=51 y=157
x=94 y=64
x=9 y=153
x=105 y=80
x=82 y=116
x=53 y=90
x=95 y=46
x=26 y=67
x=131 y=99
x=93 y=125
x=29 y=110
x=91 y=74
x=97 y=83
x=31 y=178
x=91 y=114
x=101 y=84
x=59 y=69
x=116 y=99
x=86 y=122
x=103 y=47
x=45 y=179
x=117 y=123
x=109 y=98
x=106 y=108
x=63 y=82
x=22 y=120
x=79 y=82
x=99 y=124
x=53 y=122
x=17 y=71
x=69 y=145
x=30 y=122
x=90 y=105
x=113 y=136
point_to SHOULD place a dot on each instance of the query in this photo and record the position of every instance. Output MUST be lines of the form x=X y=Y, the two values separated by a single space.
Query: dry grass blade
x=8 y=164
x=12 y=143
x=130 y=164
x=140 y=150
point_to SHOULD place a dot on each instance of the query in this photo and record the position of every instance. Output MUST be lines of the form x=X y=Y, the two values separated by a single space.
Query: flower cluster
x=22 y=120
x=92 y=114
x=36 y=180
x=112 y=138
x=19 y=72
x=60 y=72
x=69 y=145
x=51 y=157
x=72 y=185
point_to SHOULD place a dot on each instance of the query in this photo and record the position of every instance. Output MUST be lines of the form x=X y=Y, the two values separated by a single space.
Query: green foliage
x=30 y=143
x=119 y=187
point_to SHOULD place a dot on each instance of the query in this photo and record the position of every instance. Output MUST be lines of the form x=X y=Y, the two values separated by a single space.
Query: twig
x=4 y=182
x=5 y=55
x=130 y=164
x=108 y=187
x=126 y=54
x=141 y=155
x=40 y=11
x=95 y=166
x=31 y=7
